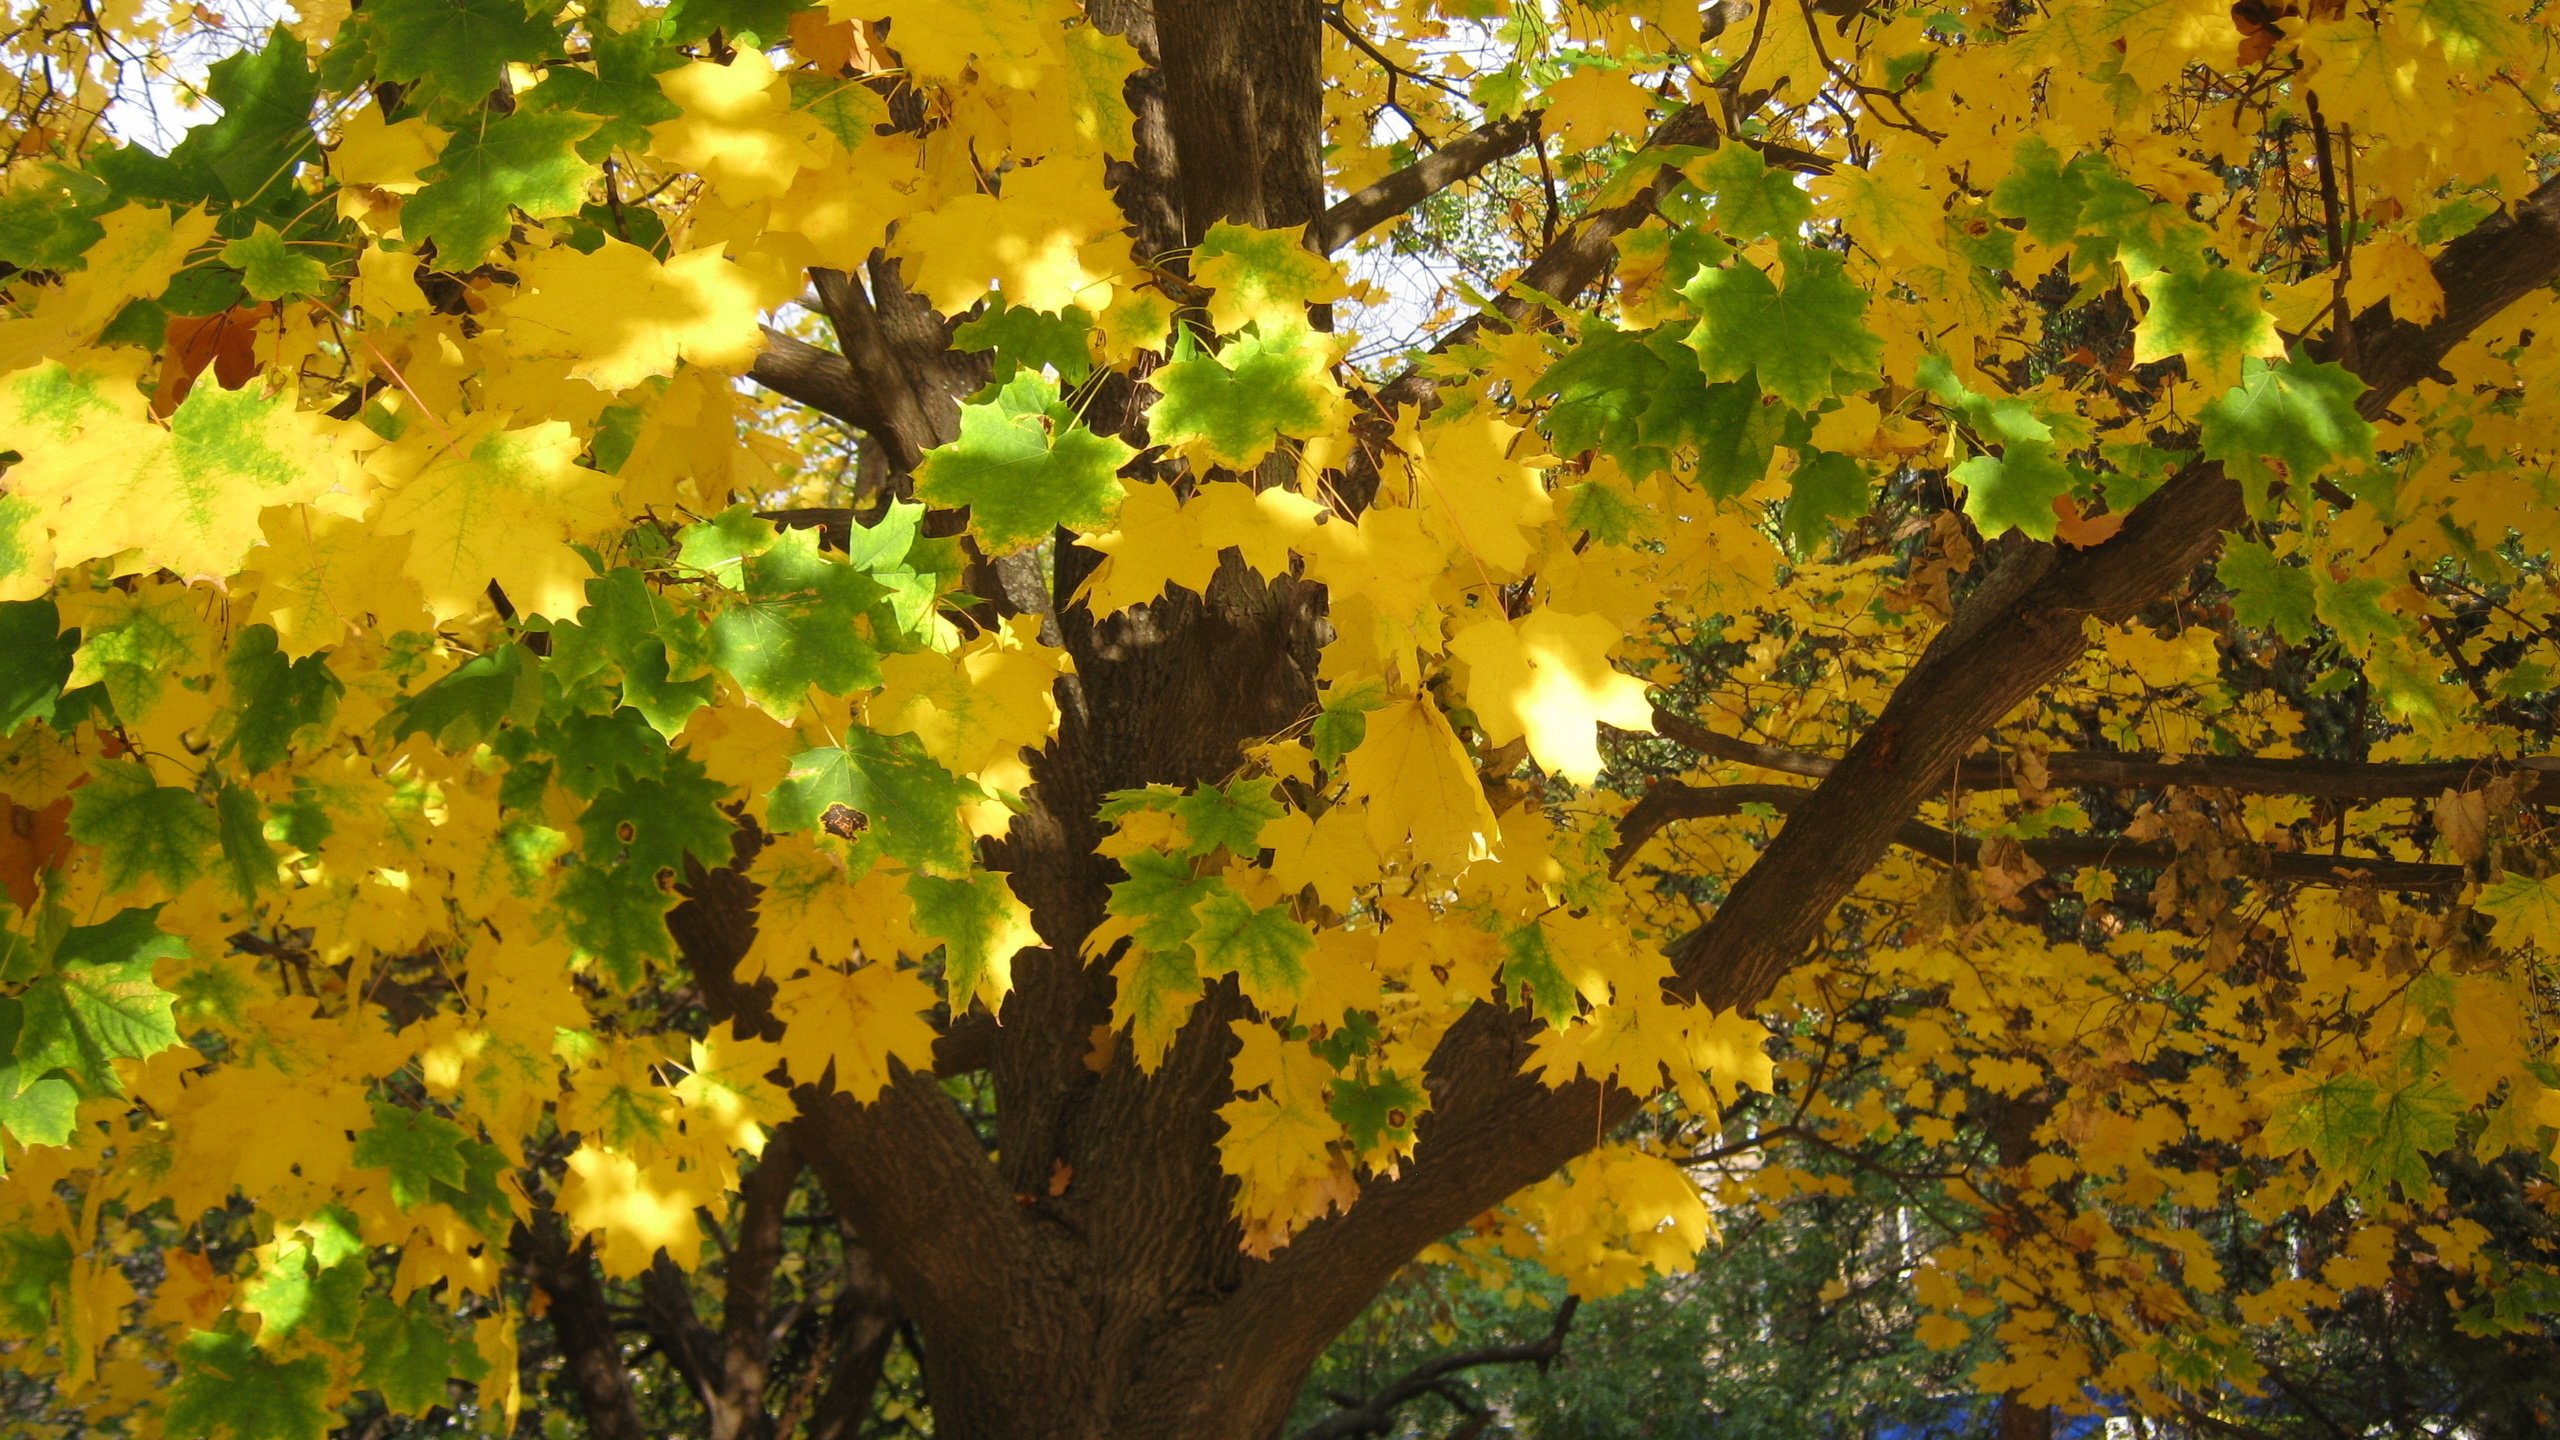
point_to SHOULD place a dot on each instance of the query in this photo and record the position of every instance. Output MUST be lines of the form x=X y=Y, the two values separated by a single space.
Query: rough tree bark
x=1086 y=1281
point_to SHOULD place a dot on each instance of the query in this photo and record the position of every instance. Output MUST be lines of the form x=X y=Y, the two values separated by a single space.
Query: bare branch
x=1668 y=802
x=1384 y=199
x=1375 y=1414
x=2321 y=779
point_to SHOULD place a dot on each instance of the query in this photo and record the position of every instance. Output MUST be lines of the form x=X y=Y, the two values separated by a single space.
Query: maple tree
x=1974 y=579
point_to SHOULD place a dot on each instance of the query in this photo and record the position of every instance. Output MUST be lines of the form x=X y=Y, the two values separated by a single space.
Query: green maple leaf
x=144 y=828
x=274 y=699
x=421 y=1150
x=1529 y=967
x=249 y=155
x=525 y=161
x=470 y=703
x=270 y=269
x=1235 y=405
x=2352 y=609
x=410 y=1353
x=721 y=546
x=883 y=792
x=1750 y=199
x=1825 y=488
x=2122 y=223
x=617 y=917
x=968 y=914
x=1376 y=1112
x=622 y=89
x=311 y=1279
x=1020 y=338
x=459 y=48
x=911 y=566
x=655 y=822
x=1263 y=275
x=1344 y=721
x=2014 y=490
x=1158 y=901
x=853 y=115
x=1803 y=343
x=2210 y=317
x=35 y=1279
x=796 y=626
x=2300 y=415
x=98 y=1002
x=35 y=661
x=240 y=830
x=2043 y=191
x=48 y=218
x=2265 y=591
x=42 y=1111
x=761 y=21
x=1024 y=467
x=1229 y=815
x=593 y=751
x=229 y=1389
x=1600 y=388
x=1264 y=948
x=36 y=1108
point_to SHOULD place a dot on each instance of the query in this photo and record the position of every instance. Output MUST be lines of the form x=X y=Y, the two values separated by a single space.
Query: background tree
x=497 y=873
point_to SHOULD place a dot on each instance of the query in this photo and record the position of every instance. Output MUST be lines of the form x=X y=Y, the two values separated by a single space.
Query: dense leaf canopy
x=1156 y=658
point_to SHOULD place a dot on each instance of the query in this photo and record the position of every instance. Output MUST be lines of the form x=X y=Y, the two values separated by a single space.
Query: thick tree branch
x=1386 y=198
x=1374 y=1414
x=946 y=1231
x=764 y=1200
x=815 y=376
x=583 y=1325
x=2340 y=780
x=1669 y=802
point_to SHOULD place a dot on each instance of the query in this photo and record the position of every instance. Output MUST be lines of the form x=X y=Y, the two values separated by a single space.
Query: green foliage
x=1803 y=343
x=1024 y=467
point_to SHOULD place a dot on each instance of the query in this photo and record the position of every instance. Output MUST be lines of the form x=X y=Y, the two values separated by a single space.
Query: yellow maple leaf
x=1279 y=1142
x=485 y=503
x=1593 y=106
x=634 y=1211
x=1471 y=491
x=1420 y=787
x=621 y=317
x=384 y=155
x=855 y=1026
x=1012 y=44
x=1547 y=677
x=1895 y=208
x=140 y=249
x=1155 y=541
x=1054 y=238
x=737 y=128
x=320 y=575
x=811 y=907
x=2392 y=269
x=184 y=497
